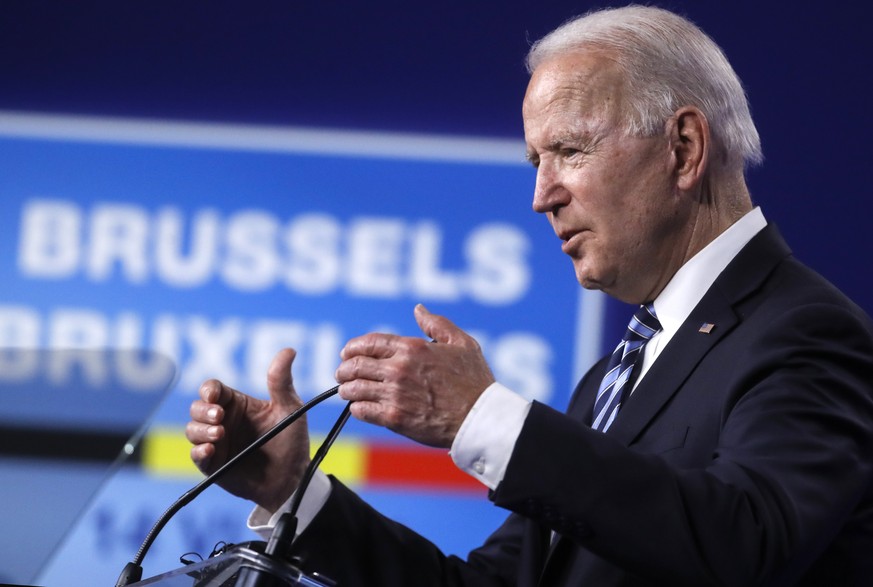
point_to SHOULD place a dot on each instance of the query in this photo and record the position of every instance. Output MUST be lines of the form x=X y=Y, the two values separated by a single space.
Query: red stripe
x=420 y=467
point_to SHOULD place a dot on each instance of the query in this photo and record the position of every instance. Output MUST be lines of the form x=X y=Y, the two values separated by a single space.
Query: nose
x=549 y=193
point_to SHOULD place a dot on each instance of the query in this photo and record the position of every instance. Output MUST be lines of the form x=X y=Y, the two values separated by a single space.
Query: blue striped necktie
x=617 y=382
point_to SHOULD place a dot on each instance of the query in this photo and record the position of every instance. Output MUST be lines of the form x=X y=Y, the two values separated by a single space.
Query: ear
x=690 y=142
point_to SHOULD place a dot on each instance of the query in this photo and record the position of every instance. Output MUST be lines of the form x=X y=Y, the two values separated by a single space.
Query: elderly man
x=727 y=441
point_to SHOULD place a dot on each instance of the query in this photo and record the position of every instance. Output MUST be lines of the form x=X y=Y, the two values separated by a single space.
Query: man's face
x=609 y=197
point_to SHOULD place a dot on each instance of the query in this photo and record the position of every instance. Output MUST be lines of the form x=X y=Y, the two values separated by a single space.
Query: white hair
x=668 y=62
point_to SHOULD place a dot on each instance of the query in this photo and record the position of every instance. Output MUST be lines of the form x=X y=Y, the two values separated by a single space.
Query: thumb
x=438 y=328
x=280 y=384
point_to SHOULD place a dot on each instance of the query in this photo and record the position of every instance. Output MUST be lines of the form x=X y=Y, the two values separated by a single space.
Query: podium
x=234 y=568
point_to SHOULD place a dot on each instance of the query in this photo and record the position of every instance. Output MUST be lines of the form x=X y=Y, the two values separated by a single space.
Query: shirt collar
x=695 y=277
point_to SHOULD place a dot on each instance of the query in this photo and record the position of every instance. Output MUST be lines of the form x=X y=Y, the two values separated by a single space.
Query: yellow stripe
x=166 y=453
x=346 y=460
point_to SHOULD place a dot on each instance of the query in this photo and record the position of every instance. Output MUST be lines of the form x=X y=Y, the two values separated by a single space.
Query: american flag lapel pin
x=706 y=327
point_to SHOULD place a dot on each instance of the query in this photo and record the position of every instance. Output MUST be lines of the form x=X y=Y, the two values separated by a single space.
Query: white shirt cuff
x=483 y=446
x=262 y=522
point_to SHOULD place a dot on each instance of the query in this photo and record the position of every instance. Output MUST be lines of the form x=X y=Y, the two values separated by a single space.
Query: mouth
x=568 y=239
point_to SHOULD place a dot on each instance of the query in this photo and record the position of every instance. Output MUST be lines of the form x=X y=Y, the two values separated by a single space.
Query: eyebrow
x=532 y=157
x=582 y=140
x=573 y=137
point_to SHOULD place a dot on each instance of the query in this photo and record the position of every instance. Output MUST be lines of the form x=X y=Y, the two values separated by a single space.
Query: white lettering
x=252 y=261
x=78 y=333
x=252 y=251
x=49 y=243
x=229 y=349
x=499 y=273
x=212 y=351
x=171 y=263
x=427 y=280
x=374 y=257
x=522 y=362
x=327 y=341
x=19 y=337
x=131 y=333
x=265 y=339
x=78 y=329
x=313 y=242
x=139 y=369
x=19 y=327
x=119 y=235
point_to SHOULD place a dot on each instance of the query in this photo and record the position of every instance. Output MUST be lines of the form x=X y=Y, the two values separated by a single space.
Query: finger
x=207 y=413
x=213 y=391
x=360 y=390
x=201 y=455
x=370 y=412
x=439 y=328
x=199 y=433
x=360 y=367
x=376 y=345
x=280 y=383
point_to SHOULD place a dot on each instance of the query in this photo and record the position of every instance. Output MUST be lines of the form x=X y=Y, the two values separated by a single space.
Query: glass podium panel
x=68 y=420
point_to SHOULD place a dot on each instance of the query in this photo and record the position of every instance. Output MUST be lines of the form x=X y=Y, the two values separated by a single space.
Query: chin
x=588 y=282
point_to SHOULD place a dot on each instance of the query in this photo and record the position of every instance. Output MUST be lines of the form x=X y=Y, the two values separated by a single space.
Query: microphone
x=283 y=535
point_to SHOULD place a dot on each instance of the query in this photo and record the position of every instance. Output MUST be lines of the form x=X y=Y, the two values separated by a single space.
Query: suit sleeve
x=791 y=460
x=353 y=544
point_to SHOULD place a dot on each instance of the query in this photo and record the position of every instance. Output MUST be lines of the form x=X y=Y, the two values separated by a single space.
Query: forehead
x=583 y=85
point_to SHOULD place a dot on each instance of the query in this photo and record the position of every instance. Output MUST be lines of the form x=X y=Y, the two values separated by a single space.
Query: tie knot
x=644 y=323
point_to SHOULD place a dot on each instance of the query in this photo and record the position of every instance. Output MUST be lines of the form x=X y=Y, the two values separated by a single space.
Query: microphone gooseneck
x=283 y=534
x=133 y=570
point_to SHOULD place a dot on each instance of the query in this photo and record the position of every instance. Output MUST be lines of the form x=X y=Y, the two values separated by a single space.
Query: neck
x=723 y=199
x=719 y=203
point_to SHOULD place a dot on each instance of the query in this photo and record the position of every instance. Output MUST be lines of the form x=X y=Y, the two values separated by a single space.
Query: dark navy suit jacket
x=744 y=457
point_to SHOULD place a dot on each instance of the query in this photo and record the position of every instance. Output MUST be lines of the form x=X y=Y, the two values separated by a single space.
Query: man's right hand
x=224 y=421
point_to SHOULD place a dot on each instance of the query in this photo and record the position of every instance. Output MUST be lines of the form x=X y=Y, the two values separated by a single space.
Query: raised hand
x=224 y=421
x=419 y=389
